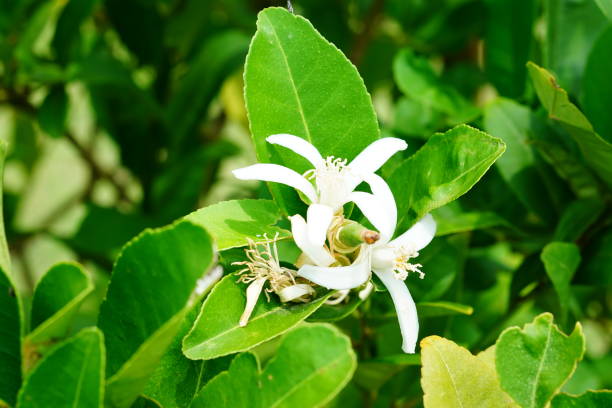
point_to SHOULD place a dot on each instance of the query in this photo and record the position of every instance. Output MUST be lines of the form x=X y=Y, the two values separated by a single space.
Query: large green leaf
x=232 y=223
x=519 y=166
x=416 y=78
x=561 y=260
x=57 y=298
x=606 y=7
x=312 y=364
x=508 y=44
x=296 y=82
x=71 y=375
x=216 y=331
x=597 y=151
x=535 y=362
x=151 y=290
x=590 y=399
x=597 y=89
x=445 y=168
x=453 y=377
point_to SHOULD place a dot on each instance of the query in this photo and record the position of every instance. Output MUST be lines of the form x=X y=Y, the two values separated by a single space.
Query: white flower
x=334 y=182
x=389 y=259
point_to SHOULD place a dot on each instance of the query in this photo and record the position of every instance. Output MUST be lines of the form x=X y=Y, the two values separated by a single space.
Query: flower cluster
x=327 y=260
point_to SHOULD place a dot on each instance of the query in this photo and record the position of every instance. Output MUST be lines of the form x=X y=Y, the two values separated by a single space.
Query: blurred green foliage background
x=122 y=115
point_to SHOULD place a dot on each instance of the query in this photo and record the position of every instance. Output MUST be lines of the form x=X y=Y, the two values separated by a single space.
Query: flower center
x=332 y=181
x=263 y=263
x=402 y=266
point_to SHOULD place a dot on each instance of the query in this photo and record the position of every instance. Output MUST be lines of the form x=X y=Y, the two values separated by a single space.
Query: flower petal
x=377 y=212
x=298 y=145
x=277 y=174
x=340 y=277
x=252 y=294
x=418 y=236
x=405 y=308
x=376 y=154
x=295 y=292
x=317 y=253
x=318 y=219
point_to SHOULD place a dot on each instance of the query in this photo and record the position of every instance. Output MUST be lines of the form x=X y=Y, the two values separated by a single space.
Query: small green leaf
x=417 y=79
x=71 y=375
x=577 y=218
x=312 y=364
x=216 y=332
x=68 y=24
x=57 y=298
x=373 y=374
x=453 y=377
x=151 y=290
x=590 y=399
x=597 y=89
x=560 y=262
x=448 y=166
x=597 y=152
x=533 y=363
x=232 y=223
x=332 y=313
x=297 y=82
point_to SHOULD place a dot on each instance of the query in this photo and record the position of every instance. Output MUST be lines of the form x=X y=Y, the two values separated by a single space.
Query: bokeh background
x=126 y=114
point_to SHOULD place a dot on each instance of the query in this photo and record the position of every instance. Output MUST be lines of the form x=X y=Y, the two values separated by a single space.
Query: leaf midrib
x=540 y=366
x=450 y=375
x=291 y=80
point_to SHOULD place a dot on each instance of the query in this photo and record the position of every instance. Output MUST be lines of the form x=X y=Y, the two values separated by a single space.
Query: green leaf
x=332 y=313
x=67 y=31
x=151 y=290
x=216 y=332
x=416 y=78
x=296 y=82
x=312 y=364
x=597 y=265
x=597 y=89
x=561 y=261
x=10 y=341
x=176 y=379
x=606 y=7
x=52 y=113
x=577 y=218
x=232 y=223
x=11 y=317
x=449 y=165
x=596 y=151
x=508 y=43
x=453 y=377
x=450 y=222
x=442 y=308
x=535 y=362
x=57 y=298
x=519 y=166
x=590 y=399
x=71 y=375
x=572 y=28
x=373 y=374
x=219 y=57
